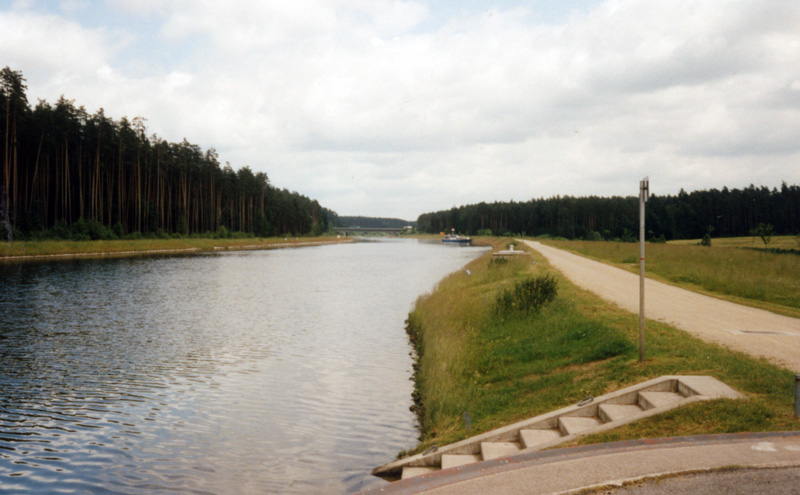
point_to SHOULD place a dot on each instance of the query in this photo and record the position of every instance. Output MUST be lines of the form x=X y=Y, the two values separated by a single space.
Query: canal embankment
x=481 y=364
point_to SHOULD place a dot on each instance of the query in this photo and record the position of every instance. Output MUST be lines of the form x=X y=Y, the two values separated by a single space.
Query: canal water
x=284 y=371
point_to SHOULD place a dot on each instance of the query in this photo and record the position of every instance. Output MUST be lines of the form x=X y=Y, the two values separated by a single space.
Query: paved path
x=774 y=481
x=754 y=331
x=574 y=469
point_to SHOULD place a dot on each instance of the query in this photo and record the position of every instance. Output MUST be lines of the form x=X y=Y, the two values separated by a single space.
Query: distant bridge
x=363 y=229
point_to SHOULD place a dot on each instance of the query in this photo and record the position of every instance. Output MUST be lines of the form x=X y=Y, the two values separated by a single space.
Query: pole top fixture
x=644 y=188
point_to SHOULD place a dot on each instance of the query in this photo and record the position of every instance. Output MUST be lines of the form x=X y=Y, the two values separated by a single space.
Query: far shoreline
x=63 y=250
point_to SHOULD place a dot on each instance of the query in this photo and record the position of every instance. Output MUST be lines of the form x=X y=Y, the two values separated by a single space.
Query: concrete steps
x=455 y=460
x=495 y=450
x=548 y=430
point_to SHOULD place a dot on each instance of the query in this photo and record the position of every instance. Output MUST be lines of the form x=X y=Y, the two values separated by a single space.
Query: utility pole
x=644 y=192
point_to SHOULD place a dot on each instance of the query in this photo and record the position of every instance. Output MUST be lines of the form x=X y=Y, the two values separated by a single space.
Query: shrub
x=118 y=230
x=594 y=236
x=183 y=225
x=627 y=236
x=61 y=230
x=706 y=241
x=79 y=231
x=764 y=231
x=98 y=231
x=528 y=295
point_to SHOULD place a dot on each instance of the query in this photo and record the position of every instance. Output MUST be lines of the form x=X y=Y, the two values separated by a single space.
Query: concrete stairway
x=548 y=430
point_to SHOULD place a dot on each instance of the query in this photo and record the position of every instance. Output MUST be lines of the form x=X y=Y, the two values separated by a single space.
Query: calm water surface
x=280 y=371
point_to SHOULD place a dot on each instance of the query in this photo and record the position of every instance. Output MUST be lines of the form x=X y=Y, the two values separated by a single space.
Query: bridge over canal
x=360 y=229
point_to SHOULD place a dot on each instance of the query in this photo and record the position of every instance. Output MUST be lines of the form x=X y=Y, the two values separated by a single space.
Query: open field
x=777 y=242
x=18 y=250
x=762 y=279
x=498 y=368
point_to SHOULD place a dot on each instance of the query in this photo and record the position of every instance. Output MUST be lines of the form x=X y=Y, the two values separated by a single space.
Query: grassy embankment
x=24 y=250
x=504 y=368
x=755 y=277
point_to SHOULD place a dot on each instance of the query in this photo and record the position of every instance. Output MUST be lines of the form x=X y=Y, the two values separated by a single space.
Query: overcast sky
x=397 y=108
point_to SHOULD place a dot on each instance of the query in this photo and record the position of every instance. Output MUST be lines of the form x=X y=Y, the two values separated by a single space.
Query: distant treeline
x=725 y=212
x=66 y=172
x=373 y=223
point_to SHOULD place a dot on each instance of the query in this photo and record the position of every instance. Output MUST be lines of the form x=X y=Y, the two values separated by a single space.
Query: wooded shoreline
x=82 y=249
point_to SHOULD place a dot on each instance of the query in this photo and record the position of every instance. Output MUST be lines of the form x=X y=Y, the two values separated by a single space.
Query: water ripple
x=259 y=372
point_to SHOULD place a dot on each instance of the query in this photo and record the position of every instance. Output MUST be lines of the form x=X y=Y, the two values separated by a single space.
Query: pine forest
x=70 y=174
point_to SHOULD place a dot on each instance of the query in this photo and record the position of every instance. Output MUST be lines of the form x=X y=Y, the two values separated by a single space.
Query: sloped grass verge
x=483 y=369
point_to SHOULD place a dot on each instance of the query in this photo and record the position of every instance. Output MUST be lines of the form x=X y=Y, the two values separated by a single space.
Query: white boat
x=456 y=239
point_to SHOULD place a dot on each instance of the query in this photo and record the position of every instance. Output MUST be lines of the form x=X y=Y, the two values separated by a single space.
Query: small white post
x=644 y=192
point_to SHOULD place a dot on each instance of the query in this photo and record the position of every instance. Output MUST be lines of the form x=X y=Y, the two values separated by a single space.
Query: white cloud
x=388 y=108
x=47 y=46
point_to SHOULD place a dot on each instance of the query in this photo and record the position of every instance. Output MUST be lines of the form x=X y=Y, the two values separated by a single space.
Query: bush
x=528 y=295
x=627 y=236
x=487 y=232
x=659 y=239
x=222 y=233
x=119 y=230
x=594 y=236
x=98 y=231
x=61 y=230
x=706 y=241
x=183 y=225
x=764 y=231
x=79 y=231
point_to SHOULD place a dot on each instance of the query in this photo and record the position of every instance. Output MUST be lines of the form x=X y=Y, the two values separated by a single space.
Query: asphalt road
x=771 y=481
x=766 y=463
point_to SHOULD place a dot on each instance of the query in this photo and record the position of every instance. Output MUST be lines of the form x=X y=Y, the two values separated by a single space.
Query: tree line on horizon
x=68 y=173
x=723 y=213
x=373 y=222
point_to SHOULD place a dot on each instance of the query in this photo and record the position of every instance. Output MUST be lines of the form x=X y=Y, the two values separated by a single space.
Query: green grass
x=501 y=369
x=777 y=242
x=17 y=249
x=763 y=279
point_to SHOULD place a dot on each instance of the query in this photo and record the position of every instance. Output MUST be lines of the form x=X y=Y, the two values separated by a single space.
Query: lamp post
x=644 y=192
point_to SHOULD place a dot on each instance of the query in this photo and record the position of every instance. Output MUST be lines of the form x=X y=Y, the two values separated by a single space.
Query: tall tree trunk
x=36 y=172
x=81 y=199
x=66 y=196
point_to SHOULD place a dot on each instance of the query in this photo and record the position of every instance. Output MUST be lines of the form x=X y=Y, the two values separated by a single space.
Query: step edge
x=510 y=432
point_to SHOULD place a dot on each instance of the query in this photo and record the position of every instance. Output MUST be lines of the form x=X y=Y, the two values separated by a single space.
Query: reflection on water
x=254 y=372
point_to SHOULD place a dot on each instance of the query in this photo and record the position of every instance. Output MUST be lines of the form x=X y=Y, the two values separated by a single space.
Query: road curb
x=510 y=464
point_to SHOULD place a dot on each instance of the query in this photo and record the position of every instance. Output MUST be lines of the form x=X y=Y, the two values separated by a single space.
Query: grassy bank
x=498 y=368
x=752 y=276
x=10 y=251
